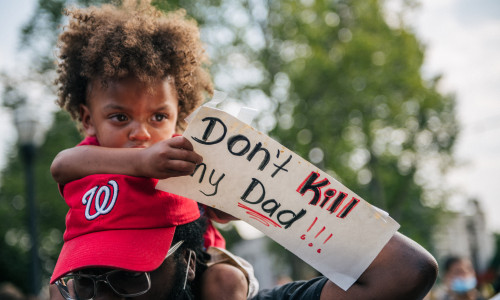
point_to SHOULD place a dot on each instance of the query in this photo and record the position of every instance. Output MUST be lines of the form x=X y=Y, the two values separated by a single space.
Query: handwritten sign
x=252 y=177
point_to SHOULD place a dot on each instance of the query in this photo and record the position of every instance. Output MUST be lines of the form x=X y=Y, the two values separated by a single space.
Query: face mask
x=463 y=285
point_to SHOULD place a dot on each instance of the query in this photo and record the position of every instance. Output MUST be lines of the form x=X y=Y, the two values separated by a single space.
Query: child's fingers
x=180 y=168
x=180 y=142
x=185 y=155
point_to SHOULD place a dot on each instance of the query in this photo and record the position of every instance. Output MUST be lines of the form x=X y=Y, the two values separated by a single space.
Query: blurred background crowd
x=348 y=85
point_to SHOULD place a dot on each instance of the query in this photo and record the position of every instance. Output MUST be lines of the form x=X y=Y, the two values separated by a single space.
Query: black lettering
x=202 y=172
x=208 y=131
x=267 y=155
x=328 y=195
x=235 y=139
x=250 y=188
x=216 y=184
x=271 y=210
x=349 y=207
x=337 y=202
x=294 y=217
x=310 y=185
x=281 y=167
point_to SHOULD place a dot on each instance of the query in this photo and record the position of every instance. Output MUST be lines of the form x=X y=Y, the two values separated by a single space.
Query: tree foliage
x=333 y=81
x=359 y=107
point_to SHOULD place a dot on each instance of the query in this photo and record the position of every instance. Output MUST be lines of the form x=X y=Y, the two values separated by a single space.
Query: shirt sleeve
x=219 y=255
x=89 y=140
x=212 y=237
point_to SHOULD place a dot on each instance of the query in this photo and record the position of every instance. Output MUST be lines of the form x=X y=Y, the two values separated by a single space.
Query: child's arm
x=168 y=158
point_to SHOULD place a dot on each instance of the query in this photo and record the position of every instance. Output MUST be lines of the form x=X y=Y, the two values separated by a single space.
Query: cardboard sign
x=252 y=177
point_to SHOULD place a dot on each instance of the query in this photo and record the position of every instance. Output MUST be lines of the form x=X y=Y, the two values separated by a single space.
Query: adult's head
x=144 y=243
x=459 y=275
x=176 y=278
x=109 y=43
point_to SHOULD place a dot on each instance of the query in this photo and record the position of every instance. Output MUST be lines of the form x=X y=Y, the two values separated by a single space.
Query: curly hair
x=110 y=43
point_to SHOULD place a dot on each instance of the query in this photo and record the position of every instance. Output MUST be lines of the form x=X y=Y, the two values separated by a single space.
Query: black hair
x=450 y=261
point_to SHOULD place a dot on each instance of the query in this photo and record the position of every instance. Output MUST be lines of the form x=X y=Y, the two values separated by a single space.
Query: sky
x=463 y=42
x=462 y=39
x=13 y=14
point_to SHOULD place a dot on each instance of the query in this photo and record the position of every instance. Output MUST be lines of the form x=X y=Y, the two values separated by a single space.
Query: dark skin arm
x=402 y=270
x=168 y=158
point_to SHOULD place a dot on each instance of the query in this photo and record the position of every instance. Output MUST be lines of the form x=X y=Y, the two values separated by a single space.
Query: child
x=129 y=76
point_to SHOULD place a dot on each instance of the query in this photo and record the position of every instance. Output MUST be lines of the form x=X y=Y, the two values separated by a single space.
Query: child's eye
x=159 y=117
x=119 y=117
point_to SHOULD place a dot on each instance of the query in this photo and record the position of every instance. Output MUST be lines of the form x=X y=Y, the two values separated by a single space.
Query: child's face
x=127 y=114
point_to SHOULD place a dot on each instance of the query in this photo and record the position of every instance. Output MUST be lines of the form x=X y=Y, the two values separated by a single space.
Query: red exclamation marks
x=314 y=222
x=319 y=250
x=303 y=237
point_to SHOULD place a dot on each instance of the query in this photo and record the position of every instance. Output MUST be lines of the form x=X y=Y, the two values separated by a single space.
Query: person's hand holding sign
x=169 y=158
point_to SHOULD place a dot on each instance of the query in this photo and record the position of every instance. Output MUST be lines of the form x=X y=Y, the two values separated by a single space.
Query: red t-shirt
x=212 y=236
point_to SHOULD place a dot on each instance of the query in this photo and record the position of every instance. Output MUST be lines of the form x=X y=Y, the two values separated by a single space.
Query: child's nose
x=139 y=132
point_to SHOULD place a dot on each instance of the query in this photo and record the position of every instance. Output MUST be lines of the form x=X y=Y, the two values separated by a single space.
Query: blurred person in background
x=459 y=280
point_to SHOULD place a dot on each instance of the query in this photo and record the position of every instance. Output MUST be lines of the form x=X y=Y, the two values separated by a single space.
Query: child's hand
x=168 y=158
x=218 y=215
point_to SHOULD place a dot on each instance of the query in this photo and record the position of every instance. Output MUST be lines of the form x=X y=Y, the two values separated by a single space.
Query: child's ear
x=87 y=123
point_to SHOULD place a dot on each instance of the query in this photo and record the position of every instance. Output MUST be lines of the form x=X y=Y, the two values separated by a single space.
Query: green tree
x=358 y=106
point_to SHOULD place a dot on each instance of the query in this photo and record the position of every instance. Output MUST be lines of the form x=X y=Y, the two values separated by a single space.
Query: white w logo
x=101 y=207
